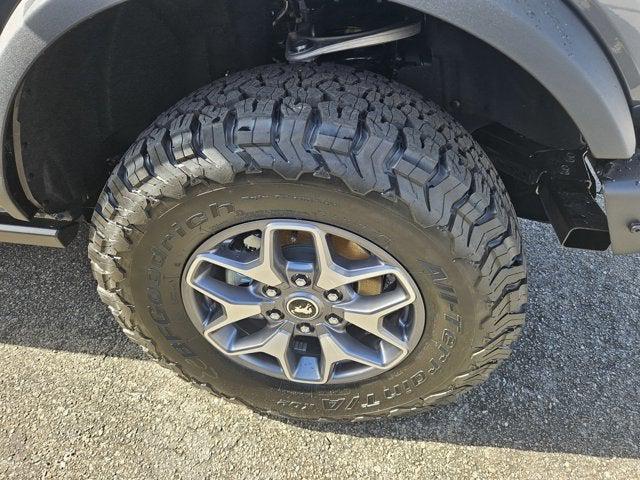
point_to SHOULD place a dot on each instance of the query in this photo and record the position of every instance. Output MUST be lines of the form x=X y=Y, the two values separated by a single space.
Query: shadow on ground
x=48 y=300
x=572 y=385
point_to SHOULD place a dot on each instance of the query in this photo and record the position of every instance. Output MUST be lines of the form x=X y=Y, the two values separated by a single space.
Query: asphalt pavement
x=77 y=400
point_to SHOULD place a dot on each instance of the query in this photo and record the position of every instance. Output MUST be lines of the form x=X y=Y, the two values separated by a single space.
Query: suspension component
x=305 y=48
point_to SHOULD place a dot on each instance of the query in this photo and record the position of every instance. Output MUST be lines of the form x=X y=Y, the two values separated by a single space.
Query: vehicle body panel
x=616 y=23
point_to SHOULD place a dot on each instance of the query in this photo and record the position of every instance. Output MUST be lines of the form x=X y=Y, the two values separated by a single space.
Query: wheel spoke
x=339 y=347
x=331 y=275
x=263 y=269
x=272 y=340
x=237 y=303
x=368 y=313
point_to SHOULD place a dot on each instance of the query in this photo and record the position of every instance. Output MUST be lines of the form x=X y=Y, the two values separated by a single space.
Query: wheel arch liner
x=33 y=26
x=546 y=38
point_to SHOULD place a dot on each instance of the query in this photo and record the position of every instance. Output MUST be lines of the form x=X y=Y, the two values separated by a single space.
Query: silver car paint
x=616 y=23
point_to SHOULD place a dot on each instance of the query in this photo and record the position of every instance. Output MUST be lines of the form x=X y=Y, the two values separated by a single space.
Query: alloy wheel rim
x=303 y=301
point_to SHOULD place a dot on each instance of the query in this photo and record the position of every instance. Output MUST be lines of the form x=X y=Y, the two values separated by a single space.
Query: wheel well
x=89 y=95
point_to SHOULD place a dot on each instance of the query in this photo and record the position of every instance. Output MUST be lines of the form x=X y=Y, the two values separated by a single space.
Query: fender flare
x=553 y=44
x=546 y=38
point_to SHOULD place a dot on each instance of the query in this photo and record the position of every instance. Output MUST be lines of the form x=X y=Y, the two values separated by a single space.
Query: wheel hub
x=303 y=301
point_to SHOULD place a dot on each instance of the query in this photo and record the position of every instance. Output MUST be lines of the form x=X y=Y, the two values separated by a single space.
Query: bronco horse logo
x=303 y=310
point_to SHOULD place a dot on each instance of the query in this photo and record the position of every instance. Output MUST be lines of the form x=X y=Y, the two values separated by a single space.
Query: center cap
x=303 y=308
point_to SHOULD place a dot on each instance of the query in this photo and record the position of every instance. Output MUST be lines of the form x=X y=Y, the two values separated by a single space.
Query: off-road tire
x=312 y=141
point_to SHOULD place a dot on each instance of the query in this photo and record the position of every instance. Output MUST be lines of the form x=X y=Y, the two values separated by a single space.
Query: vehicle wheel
x=315 y=242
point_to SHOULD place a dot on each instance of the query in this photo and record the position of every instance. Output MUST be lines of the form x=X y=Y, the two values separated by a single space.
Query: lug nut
x=333 y=295
x=301 y=280
x=271 y=292
x=275 y=315
x=334 y=319
x=305 y=328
